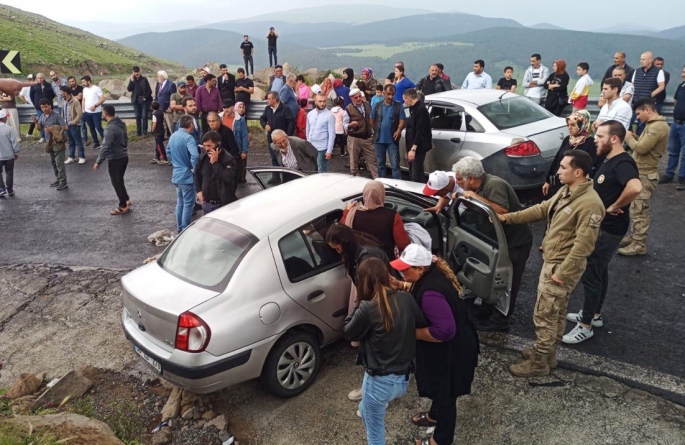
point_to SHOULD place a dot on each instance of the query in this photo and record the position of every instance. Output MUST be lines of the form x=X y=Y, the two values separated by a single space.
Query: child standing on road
x=339 y=114
x=158 y=132
x=581 y=91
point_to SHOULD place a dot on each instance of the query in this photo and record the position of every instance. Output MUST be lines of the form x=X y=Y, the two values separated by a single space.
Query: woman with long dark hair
x=447 y=350
x=557 y=88
x=402 y=83
x=384 y=322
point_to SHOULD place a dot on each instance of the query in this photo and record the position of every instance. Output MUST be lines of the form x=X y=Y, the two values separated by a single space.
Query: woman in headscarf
x=342 y=91
x=328 y=91
x=579 y=138
x=374 y=218
x=447 y=350
x=369 y=82
x=557 y=88
x=348 y=78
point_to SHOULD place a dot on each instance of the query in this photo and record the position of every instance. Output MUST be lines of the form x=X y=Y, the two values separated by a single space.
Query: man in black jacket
x=227 y=136
x=215 y=174
x=41 y=90
x=276 y=116
x=141 y=97
x=226 y=84
x=433 y=83
x=418 y=137
x=114 y=150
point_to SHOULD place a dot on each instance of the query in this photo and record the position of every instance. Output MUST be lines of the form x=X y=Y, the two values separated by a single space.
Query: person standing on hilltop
x=402 y=83
x=244 y=88
x=247 y=49
x=478 y=79
x=226 y=83
x=271 y=38
x=433 y=83
x=533 y=79
x=141 y=96
x=370 y=82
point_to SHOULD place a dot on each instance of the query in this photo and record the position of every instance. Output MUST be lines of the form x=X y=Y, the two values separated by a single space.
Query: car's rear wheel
x=292 y=364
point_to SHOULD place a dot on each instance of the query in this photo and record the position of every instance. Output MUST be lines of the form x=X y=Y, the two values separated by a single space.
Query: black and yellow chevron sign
x=9 y=62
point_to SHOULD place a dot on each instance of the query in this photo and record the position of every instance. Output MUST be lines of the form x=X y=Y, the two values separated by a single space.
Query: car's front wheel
x=292 y=364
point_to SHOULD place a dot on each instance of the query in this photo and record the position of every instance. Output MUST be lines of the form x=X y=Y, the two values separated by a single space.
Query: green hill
x=45 y=44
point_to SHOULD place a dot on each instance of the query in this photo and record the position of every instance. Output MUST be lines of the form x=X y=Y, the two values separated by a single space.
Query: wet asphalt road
x=643 y=312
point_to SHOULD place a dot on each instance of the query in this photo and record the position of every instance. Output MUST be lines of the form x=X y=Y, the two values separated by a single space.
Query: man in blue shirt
x=182 y=153
x=478 y=79
x=287 y=94
x=320 y=132
x=387 y=120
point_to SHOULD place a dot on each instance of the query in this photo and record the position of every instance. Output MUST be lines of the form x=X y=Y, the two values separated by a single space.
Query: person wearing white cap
x=444 y=186
x=447 y=350
x=203 y=72
x=357 y=124
x=9 y=152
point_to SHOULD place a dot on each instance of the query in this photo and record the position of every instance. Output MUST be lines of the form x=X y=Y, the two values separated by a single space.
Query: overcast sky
x=579 y=14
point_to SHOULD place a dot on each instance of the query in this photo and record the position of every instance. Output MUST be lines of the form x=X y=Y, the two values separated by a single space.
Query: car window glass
x=477 y=223
x=443 y=118
x=297 y=259
x=205 y=253
x=472 y=124
x=513 y=112
x=270 y=179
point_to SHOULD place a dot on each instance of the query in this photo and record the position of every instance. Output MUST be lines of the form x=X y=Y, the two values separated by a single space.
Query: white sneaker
x=41 y=140
x=70 y=161
x=577 y=335
x=355 y=395
x=597 y=322
x=81 y=161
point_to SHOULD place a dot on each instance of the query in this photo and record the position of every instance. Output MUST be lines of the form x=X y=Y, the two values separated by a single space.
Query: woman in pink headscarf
x=328 y=91
x=369 y=82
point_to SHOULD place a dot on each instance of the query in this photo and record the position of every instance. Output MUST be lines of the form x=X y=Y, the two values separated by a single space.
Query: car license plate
x=154 y=363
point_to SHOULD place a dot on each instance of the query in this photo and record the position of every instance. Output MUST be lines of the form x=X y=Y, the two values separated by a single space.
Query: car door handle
x=456 y=140
x=314 y=294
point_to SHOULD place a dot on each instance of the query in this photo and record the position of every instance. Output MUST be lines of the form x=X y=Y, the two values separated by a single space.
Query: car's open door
x=478 y=252
x=268 y=177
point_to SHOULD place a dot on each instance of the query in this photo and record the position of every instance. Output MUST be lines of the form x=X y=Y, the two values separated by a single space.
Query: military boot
x=626 y=241
x=535 y=366
x=633 y=249
x=551 y=357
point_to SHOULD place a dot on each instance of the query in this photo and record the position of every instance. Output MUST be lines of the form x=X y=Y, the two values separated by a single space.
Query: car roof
x=268 y=210
x=476 y=97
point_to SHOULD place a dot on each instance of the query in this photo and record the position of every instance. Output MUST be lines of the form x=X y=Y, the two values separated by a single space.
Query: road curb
x=666 y=386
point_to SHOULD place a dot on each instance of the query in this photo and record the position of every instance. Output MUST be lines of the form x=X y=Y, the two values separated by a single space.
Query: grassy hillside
x=45 y=44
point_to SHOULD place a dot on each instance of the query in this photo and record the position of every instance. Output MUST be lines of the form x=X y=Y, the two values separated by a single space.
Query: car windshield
x=513 y=112
x=206 y=253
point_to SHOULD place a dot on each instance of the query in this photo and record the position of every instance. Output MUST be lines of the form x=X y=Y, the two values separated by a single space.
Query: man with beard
x=226 y=84
x=320 y=132
x=228 y=141
x=617 y=182
x=244 y=88
x=215 y=173
x=433 y=83
x=77 y=92
x=141 y=97
x=190 y=109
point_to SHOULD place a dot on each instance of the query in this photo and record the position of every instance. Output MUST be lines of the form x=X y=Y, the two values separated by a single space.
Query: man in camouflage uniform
x=647 y=151
x=573 y=217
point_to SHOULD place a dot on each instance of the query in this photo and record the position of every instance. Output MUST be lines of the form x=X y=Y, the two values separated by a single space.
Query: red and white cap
x=437 y=181
x=3 y=114
x=414 y=255
x=206 y=70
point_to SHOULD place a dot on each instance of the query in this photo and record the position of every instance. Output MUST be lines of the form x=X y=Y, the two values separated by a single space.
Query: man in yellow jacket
x=573 y=217
x=647 y=151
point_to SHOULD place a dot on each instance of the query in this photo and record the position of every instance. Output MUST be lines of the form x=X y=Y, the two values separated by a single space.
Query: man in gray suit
x=293 y=152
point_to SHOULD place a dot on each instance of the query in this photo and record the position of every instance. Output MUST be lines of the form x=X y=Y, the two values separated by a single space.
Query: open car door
x=478 y=252
x=269 y=177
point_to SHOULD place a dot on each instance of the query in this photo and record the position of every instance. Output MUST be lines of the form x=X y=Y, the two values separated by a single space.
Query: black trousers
x=416 y=168
x=117 y=169
x=444 y=412
x=595 y=279
x=248 y=59
x=518 y=257
x=8 y=166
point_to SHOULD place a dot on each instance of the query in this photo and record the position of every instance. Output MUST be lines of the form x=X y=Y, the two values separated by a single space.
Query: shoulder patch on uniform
x=600 y=179
x=595 y=219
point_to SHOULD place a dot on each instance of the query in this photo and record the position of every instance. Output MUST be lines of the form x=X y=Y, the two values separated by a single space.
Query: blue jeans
x=140 y=108
x=393 y=151
x=94 y=121
x=74 y=136
x=185 y=203
x=84 y=130
x=676 y=149
x=272 y=52
x=376 y=393
x=322 y=162
x=39 y=113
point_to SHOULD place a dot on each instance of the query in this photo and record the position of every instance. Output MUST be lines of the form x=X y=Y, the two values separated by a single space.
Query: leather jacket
x=381 y=352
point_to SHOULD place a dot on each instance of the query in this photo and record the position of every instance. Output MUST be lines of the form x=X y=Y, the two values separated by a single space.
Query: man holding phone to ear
x=215 y=174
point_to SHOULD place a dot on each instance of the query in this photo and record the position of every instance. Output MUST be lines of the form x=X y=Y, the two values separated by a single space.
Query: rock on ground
x=26 y=385
x=173 y=405
x=70 y=387
x=79 y=429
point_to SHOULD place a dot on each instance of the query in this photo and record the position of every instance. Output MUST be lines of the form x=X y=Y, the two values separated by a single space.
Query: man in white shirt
x=443 y=185
x=320 y=132
x=627 y=88
x=615 y=108
x=534 y=78
x=92 y=109
x=478 y=79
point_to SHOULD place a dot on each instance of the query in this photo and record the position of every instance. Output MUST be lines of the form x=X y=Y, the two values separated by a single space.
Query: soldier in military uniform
x=573 y=217
x=647 y=151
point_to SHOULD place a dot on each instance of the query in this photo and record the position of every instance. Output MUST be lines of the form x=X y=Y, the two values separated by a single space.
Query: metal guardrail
x=124 y=110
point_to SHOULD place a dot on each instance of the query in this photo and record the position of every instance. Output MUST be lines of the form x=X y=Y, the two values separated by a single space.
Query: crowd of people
x=405 y=307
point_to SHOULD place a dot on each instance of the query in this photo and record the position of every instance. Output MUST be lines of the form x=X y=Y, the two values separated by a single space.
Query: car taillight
x=522 y=148
x=192 y=334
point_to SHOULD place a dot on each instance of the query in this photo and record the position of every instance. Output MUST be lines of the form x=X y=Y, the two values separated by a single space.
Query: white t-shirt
x=457 y=189
x=620 y=110
x=91 y=96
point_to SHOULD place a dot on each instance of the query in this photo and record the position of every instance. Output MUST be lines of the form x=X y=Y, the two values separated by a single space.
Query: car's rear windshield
x=207 y=253
x=513 y=112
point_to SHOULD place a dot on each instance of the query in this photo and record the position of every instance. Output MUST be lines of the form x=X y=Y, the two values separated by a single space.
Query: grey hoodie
x=115 y=142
